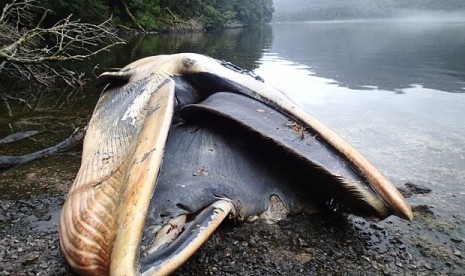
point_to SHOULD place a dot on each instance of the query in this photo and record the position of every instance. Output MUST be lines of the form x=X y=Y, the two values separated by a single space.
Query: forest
x=37 y=36
x=166 y=15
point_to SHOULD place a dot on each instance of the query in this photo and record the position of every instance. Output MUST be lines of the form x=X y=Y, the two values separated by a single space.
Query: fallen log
x=18 y=136
x=74 y=139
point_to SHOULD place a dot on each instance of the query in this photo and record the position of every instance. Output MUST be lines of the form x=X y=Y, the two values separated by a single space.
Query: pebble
x=406 y=256
x=30 y=258
x=376 y=226
x=456 y=240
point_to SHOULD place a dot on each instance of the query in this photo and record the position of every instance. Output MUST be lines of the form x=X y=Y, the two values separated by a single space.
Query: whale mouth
x=236 y=151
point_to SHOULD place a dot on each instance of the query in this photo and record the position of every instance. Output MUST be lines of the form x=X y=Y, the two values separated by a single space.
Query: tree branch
x=74 y=139
x=131 y=16
x=28 y=51
x=17 y=136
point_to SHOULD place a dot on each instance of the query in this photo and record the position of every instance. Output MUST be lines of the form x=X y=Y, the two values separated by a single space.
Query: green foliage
x=164 y=14
x=254 y=12
x=268 y=10
x=92 y=11
x=145 y=12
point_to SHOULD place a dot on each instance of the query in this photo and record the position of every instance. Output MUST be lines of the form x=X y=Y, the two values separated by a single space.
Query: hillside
x=302 y=10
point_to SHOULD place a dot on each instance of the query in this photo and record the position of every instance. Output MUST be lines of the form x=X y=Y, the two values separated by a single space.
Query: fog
x=430 y=16
x=413 y=10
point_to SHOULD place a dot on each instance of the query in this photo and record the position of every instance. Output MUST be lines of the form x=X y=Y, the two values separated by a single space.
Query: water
x=395 y=90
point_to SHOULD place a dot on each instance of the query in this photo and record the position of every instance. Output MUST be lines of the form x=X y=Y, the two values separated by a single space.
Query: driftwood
x=74 y=139
x=17 y=136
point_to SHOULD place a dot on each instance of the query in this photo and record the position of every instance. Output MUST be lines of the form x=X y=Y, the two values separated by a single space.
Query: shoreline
x=322 y=243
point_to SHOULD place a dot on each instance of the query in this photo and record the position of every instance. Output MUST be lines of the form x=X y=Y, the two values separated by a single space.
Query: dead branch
x=74 y=139
x=192 y=24
x=32 y=51
x=131 y=16
x=18 y=136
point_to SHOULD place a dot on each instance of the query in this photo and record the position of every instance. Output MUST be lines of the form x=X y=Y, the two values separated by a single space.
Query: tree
x=193 y=14
x=31 y=50
x=89 y=11
x=253 y=12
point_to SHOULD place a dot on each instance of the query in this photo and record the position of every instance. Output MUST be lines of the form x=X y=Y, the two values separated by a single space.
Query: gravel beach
x=331 y=244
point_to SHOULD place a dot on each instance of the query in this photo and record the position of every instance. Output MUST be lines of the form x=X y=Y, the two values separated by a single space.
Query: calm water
x=395 y=90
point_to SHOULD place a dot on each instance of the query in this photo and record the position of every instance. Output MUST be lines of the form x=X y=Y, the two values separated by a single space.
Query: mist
x=413 y=10
x=430 y=16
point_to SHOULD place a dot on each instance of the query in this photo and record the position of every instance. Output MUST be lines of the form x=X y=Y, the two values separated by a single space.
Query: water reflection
x=244 y=47
x=23 y=105
x=414 y=137
x=387 y=55
x=381 y=86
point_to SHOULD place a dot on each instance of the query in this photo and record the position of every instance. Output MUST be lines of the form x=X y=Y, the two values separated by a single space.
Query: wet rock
x=30 y=258
x=456 y=240
x=428 y=266
x=322 y=244
x=424 y=209
x=406 y=256
x=376 y=226
x=405 y=192
x=417 y=189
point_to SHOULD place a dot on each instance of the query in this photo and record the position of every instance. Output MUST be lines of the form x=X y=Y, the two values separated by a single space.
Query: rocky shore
x=331 y=244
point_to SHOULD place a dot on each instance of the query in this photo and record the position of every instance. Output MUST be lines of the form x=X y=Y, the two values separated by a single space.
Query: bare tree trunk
x=131 y=16
x=7 y=161
x=17 y=136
